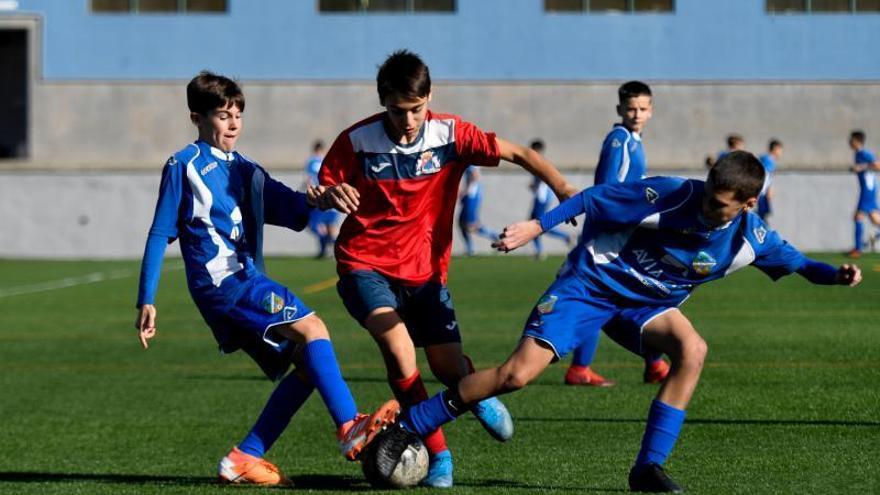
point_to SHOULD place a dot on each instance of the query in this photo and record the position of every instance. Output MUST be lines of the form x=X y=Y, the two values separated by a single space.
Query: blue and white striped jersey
x=622 y=158
x=867 y=178
x=216 y=203
x=646 y=242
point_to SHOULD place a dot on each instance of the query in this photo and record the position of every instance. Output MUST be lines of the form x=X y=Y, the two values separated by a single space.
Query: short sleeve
x=340 y=164
x=475 y=146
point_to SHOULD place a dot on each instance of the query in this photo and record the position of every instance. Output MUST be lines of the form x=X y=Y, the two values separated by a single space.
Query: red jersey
x=403 y=225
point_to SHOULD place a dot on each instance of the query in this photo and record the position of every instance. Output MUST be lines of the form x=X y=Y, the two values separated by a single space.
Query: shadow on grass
x=708 y=421
x=311 y=482
x=541 y=487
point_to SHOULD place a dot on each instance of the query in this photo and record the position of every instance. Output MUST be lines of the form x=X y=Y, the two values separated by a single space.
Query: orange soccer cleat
x=656 y=371
x=238 y=467
x=584 y=375
x=354 y=435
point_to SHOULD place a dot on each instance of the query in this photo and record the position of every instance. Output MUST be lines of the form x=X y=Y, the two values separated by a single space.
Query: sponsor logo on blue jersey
x=207 y=168
x=760 y=234
x=704 y=263
x=273 y=303
x=289 y=312
x=545 y=305
x=651 y=195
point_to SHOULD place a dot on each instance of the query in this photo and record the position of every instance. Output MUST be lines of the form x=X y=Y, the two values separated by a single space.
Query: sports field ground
x=789 y=401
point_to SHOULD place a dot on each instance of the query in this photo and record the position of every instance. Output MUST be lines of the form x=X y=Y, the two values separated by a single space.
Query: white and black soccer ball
x=396 y=458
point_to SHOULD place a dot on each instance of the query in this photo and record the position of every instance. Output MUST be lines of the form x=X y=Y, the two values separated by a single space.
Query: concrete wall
x=482 y=40
x=137 y=125
x=104 y=215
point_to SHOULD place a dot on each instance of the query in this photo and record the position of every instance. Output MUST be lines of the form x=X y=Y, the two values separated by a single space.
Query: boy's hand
x=849 y=275
x=343 y=197
x=518 y=234
x=314 y=196
x=146 y=323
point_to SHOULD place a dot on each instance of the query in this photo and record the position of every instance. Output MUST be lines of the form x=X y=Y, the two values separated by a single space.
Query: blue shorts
x=318 y=217
x=571 y=312
x=425 y=309
x=245 y=320
x=469 y=212
x=868 y=202
x=764 y=207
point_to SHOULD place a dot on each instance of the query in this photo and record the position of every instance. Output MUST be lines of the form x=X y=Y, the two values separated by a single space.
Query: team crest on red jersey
x=427 y=164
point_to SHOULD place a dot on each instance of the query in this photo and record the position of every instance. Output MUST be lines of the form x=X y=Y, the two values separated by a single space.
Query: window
x=158 y=6
x=610 y=6
x=822 y=6
x=402 y=6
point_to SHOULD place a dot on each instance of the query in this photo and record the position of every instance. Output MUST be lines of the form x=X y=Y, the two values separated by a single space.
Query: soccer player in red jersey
x=396 y=175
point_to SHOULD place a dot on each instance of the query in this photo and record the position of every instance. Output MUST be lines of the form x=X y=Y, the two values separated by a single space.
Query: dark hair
x=858 y=136
x=774 y=143
x=404 y=73
x=732 y=139
x=537 y=145
x=317 y=146
x=739 y=172
x=208 y=91
x=632 y=89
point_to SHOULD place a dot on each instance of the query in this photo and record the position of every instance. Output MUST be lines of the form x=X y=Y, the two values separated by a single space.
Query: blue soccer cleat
x=439 y=471
x=495 y=418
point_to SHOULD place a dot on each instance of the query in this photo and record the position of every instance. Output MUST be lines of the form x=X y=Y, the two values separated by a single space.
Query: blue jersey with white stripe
x=313 y=168
x=216 y=203
x=622 y=158
x=646 y=242
x=769 y=168
x=867 y=178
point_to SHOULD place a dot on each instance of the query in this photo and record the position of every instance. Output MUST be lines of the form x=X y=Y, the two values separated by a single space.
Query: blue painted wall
x=716 y=40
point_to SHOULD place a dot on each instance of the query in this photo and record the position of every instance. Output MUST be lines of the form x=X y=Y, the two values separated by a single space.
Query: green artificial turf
x=789 y=401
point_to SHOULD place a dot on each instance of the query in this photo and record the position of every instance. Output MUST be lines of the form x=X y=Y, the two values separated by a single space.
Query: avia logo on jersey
x=545 y=305
x=171 y=161
x=704 y=263
x=647 y=263
x=615 y=143
x=207 y=168
x=427 y=164
x=651 y=195
x=760 y=234
x=289 y=313
x=273 y=303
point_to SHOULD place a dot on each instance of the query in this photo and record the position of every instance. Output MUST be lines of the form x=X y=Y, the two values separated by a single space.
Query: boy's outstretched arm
x=535 y=164
x=521 y=233
x=825 y=274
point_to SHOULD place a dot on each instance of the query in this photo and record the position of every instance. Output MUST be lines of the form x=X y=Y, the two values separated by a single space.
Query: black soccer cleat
x=651 y=478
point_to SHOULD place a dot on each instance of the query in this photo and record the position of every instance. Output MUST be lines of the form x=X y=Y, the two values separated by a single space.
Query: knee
x=513 y=380
x=307 y=329
x=693 y=353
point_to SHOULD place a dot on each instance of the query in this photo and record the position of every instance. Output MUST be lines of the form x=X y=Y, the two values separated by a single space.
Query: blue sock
x=487 y=233
x=860 y=230
x=468 y=243
x=284 y=402
x=428 y=415
x=327 y=378
x=584 y=353
x=661 y=432
x=539 y=246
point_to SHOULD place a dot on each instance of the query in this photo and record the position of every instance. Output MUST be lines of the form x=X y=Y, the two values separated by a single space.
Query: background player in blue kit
x=735 y=142
x=768 y=160
x=622 y=159
x=469 y=210
x=321 y=223
x=215 y=201
x=646 y=246
x=865 y=168
x=542 y=196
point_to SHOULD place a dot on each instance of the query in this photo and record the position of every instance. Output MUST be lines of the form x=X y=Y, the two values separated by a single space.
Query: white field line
x=63 y=283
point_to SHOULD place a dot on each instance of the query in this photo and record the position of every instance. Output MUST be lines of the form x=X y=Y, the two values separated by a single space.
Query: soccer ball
x=396 y=458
